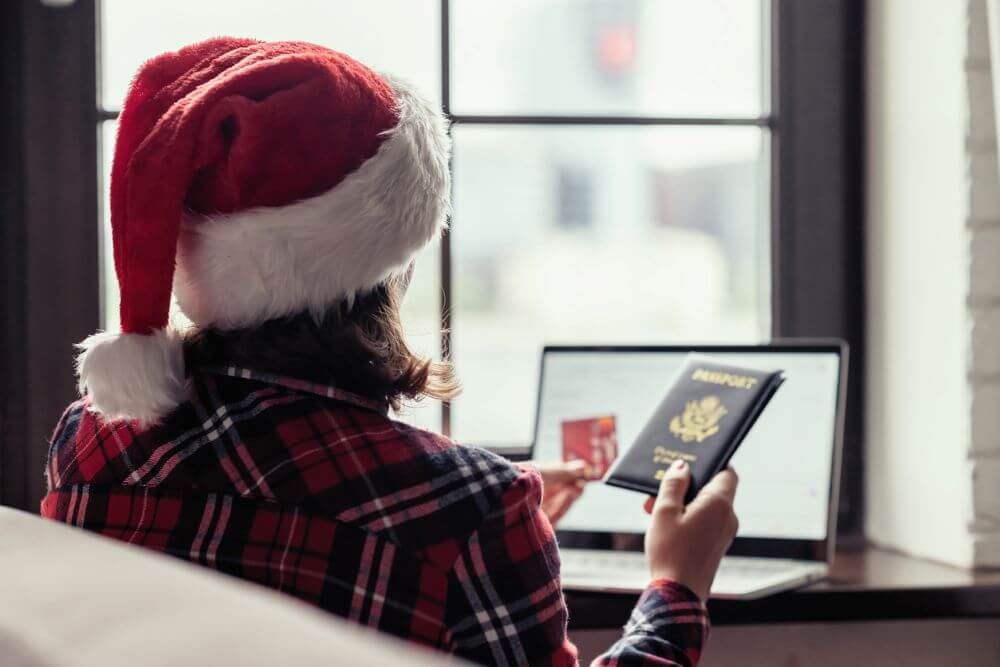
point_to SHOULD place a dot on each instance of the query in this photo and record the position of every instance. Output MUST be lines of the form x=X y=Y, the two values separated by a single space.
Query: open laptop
x=789 y=464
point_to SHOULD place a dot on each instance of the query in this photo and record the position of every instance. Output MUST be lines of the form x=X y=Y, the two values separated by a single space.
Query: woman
x=280 y=190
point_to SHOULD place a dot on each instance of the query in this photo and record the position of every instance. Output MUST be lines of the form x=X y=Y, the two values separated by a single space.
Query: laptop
x=789 y=464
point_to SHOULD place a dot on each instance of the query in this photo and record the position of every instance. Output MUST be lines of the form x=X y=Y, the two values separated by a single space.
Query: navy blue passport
x=703 y=419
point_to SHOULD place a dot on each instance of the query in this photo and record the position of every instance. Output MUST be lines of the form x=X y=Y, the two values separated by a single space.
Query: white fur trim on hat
x=133 y=376
x=239 y=270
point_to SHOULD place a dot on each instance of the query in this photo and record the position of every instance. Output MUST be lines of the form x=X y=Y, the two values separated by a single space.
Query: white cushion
x=68 y=597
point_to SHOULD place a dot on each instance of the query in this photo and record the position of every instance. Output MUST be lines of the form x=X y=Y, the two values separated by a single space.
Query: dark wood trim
x=51 y=266
x=601 y=611
x=593 y=120
x=598 y=120
x=818 y=235
x=864 y=585
x=12 y=365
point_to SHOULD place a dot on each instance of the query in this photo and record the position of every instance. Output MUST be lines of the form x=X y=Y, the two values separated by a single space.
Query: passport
x=703 y=418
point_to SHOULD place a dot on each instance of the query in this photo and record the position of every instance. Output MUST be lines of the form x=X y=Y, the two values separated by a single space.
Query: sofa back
x=72 y=598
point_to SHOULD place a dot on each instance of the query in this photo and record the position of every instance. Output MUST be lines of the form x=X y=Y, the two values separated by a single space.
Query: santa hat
x=258 y=180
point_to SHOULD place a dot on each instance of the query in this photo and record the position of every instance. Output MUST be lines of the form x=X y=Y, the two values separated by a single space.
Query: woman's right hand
x=685 y=544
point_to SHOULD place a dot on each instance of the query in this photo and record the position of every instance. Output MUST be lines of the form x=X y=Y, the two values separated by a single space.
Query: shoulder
x=76 y=446
x=68 y=424
x=450 y=452
x=438 y=493
x=482 y=473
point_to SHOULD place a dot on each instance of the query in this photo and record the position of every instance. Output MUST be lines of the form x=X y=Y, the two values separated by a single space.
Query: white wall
x=984 y=277
x=933 y=414
x=918 y=419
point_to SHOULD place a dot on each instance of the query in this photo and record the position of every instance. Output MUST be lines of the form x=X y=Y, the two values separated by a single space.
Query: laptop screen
x=785 y=464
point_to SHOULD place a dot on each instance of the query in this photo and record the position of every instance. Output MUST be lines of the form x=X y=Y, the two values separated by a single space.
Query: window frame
x=818 y=226
x=816 y=206
x=49 y=300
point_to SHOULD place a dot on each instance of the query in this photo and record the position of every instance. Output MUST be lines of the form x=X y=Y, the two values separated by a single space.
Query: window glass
x=657 y=57
x=397 y=36
x=422 y=322
x=598 y=235
x=109 y=282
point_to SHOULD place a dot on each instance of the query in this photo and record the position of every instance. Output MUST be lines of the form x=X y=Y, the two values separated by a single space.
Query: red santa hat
x=255 y=180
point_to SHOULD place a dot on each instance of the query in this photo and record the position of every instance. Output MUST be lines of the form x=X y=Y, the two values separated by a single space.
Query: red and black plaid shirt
x=317 y=492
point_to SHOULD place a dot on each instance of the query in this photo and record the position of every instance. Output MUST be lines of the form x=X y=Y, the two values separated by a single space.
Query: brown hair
x=359 y=347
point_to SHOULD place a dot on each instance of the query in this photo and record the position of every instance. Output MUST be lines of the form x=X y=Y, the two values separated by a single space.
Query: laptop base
x=739 y=577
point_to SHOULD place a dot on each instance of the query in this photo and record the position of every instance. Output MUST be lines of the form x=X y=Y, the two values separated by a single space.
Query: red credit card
x=593 y=441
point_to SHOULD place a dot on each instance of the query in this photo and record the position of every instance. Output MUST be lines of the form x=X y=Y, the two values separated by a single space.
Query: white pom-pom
x=133 y=376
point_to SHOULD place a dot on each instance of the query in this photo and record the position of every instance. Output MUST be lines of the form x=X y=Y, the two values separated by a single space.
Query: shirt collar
x=297 y=384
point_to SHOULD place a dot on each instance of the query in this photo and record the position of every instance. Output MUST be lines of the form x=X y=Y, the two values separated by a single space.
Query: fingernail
x=678 y=464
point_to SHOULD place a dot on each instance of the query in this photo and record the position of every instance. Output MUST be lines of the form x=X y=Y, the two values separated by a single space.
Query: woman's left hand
x=562 y=484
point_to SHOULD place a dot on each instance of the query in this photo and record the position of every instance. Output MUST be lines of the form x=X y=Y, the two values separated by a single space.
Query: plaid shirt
x=315 y=491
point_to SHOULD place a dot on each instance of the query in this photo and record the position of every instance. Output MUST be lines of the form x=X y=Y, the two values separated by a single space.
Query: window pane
x=598 y=235
x=398 y=36
x=660 y=57
x=422 y=321
x=109 y=282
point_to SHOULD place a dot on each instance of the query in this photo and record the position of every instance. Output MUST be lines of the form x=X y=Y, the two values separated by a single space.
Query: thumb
x=674 y=486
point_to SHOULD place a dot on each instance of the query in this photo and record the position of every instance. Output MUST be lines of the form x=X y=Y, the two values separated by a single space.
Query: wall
x=933 y=414
x=984 y=292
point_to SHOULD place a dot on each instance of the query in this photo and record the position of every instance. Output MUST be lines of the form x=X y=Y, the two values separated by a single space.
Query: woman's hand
x=562 y=484
x=685 y=544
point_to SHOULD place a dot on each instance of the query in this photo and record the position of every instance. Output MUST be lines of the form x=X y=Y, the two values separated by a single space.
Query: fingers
x=714 y=503
x=675 y=484
x=558 y=473
x=723 y=484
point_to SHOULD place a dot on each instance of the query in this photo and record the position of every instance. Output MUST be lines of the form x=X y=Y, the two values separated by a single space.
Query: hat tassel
x=133 y=376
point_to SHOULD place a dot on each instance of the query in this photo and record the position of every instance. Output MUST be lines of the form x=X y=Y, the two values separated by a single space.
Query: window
x=594 y=164
x=625 y=171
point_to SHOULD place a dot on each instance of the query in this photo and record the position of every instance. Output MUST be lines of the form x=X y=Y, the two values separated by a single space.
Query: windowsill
x=865 y=585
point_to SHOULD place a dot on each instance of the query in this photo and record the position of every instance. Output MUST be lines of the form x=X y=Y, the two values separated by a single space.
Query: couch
x=68 y=597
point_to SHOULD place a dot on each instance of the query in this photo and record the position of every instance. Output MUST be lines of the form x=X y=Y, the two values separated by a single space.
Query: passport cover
x=702 y=419
x=593 y=441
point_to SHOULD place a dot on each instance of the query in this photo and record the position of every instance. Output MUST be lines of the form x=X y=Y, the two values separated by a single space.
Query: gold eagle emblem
x=700 y=419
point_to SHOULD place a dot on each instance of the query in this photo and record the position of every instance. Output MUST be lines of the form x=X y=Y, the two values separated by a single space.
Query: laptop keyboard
x=628 y=570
